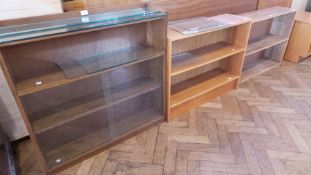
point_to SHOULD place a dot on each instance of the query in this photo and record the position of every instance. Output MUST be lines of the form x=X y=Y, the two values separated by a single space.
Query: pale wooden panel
x=13 y=9
x=271 y=3
x=96 y=4
x=90 y=4
x=182 y=9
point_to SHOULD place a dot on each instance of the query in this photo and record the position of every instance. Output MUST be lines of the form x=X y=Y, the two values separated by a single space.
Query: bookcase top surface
x=304 y=17
x=268 y=13
x=9 y=35
x=187 y=28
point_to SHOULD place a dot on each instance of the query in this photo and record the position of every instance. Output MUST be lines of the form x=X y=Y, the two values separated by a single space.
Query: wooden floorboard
x=263 y=128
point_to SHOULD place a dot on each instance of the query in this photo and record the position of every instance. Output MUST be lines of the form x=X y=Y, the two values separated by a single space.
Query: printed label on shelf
x=84 y=12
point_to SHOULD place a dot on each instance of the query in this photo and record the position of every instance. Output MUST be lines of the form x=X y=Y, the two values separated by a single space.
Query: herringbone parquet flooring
x=263 y=128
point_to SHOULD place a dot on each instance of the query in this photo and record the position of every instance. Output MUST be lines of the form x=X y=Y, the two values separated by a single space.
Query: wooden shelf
x=261 y=65
x=106 y=136
x=59 y=78
x=203 y=56
x=77 y=108
x=199 y=85
x=264 y=43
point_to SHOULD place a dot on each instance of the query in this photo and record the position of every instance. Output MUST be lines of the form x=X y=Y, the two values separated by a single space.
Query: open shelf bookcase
x=268 y=39
x=86 y=83
x=205 y=62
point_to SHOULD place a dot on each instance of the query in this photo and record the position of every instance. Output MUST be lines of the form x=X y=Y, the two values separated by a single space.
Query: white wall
x=11 y=9
x=299 y=4
x=10 y=118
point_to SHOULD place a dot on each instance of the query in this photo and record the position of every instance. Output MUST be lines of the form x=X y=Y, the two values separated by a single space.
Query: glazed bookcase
x=268 y=39
x=204 y=62
x=86 y=83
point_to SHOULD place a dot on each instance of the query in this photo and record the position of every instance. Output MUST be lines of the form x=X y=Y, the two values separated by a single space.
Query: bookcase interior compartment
x=75 y=110
x=80 y=56
x=204 y=79
x=263 y=60
x=84 y=91
x=268 y=33
x=126 y=97
x=206 y=64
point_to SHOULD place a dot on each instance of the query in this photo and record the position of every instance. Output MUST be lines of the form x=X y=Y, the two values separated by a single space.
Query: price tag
x=84 y=12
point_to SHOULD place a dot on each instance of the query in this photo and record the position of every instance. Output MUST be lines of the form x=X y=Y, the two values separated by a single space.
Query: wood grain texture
x=299 y=46
x=92 y=4
x=203 y=56
x=183 y=9
x=262 y=4
x=96 y=4
x=261 y=128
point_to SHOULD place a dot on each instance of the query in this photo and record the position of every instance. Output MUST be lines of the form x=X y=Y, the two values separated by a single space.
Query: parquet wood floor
x=263 y=128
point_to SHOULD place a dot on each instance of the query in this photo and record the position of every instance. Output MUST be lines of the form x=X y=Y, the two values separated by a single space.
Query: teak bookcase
x=206 y=64
x=268 y=39
x=299 y=45
x=83 y=87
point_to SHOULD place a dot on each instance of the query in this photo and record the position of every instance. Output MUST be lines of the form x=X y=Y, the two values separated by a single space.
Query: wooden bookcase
x=206 y=64
x=268 y=39
x=299 y=45
x=83 y=87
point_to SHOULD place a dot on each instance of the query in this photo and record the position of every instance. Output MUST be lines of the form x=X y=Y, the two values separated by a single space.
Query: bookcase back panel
x=278 y=26
x=275 y=54
x=259 y=30
x=199 y=41
x=282 y=25
x=252 y=59
x=193 y=73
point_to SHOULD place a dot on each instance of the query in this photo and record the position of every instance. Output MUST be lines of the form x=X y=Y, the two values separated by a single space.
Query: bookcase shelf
x=193 y=59
x=189 y=89
x=204 y=63
x=264 y=43
x=77 y=72
x=268 y=39
x=83 y=87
